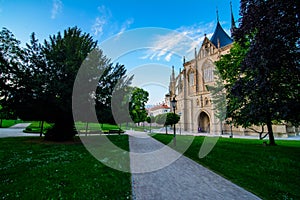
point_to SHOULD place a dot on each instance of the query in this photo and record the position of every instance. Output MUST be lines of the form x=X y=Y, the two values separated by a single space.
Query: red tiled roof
x=160 y=106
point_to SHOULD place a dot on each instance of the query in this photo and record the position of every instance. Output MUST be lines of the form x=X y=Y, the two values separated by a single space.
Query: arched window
x=191 y=78
x=208 y=70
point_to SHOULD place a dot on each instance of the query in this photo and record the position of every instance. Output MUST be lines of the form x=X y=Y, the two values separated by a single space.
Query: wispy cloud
x=125 y=26
x=57 y=6
x=100 y=22
x=105 y=22
x=97 y=27
x=181 y=41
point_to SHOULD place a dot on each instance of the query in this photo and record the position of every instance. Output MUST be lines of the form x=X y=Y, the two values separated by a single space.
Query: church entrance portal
x=203 y=123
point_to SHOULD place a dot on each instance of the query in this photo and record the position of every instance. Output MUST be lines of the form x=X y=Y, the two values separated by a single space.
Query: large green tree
x=137 y=103
x=37 y=81
x=9 y=56
x=226 y=103
x=267 y=81
x=64 y=54
x=110 y=83
x=10 y=64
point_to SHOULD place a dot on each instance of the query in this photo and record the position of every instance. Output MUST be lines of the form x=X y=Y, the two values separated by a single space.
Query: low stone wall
x=278 y=130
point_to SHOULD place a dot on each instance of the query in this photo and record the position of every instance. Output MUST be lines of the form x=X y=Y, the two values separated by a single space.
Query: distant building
x=158 y=109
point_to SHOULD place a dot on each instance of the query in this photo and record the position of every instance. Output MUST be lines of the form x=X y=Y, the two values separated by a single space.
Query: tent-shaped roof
x=220 y=35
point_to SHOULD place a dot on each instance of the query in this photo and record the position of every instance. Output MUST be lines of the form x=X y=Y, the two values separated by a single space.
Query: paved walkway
x=15 y=131
x=182 y=179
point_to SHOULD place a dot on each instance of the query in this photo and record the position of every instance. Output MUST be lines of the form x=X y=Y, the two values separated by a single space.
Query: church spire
x=173 y=73
x=172 y=82
x=233 y=27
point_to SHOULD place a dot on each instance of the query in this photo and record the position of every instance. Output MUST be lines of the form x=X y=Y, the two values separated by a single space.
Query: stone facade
x=194 y=100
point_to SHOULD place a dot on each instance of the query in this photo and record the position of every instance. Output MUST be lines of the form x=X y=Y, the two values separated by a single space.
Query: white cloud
x=183 y=41
x=168 y=57
x=104 y=22
x=57 y=6
x=104 y=11
x=97 y=27
x=125 y=26
x=100 y=22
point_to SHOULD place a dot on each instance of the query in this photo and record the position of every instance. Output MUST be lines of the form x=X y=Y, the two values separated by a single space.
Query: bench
x=112 y=131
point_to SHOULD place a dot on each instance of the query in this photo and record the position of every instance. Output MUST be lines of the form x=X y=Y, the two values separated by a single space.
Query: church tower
x=194 y=100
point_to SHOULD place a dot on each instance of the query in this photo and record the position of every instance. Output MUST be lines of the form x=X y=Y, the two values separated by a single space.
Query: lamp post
x=173 y=103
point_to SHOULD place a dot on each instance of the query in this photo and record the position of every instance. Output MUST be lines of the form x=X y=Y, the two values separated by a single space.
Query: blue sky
x=125 y=23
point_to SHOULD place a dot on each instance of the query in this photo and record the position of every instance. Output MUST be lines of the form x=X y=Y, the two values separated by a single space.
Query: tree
x=37 y=81
x=137 y=103
x=110 y=84
x=121 y=99
x=218 y=94
x=161 y=119
x=64 y=54
x=10 y=63
x=172 y=119
x=228 y=72
x=267 y=86
x=150 y=120
x=167 y=119
x=6 y=113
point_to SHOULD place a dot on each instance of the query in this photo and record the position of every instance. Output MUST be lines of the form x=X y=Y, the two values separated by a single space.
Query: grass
x=8 y=122
x=95 y=126
x=32 y=168
x=140 y=128
x=271 y=172
x=35 y=127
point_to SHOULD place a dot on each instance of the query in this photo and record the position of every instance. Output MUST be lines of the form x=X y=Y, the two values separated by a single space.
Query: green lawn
x=32 y=168
x=271 y=172
x=8 y=122
x=35 y=127
x=95 y=126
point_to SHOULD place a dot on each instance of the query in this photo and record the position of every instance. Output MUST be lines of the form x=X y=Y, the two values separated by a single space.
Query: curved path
x=15 y=131
x=183 y=179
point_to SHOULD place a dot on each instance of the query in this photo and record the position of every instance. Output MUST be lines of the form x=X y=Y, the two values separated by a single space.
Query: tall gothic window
x=208 y=70
x=191 y=78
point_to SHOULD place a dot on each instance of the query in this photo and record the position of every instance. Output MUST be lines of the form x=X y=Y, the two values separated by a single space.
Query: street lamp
x=173 y=104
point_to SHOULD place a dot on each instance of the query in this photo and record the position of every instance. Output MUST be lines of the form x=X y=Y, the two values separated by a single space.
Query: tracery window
x=208 y=70
x=191 y=78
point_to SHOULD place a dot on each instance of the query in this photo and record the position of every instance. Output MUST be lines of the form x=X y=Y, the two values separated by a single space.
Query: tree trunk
x=271 y=135
x=86 y=128
x=166 y=129
x=221 y=127
x=63 y=129
x=0 y=123
x=42 y=128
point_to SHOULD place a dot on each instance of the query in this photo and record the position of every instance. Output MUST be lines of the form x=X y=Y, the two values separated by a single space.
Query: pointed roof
x=220 y=36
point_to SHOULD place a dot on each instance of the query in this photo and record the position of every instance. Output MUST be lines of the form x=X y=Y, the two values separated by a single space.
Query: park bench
x=112 y=131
